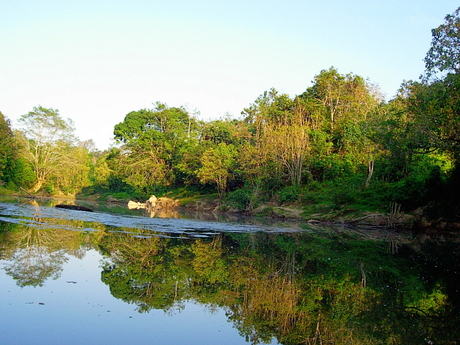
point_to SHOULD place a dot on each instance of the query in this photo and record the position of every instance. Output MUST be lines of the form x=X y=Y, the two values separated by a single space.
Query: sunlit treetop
x=444 y=54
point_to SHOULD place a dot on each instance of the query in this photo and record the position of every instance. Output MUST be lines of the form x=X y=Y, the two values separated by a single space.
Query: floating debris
x=74 y=207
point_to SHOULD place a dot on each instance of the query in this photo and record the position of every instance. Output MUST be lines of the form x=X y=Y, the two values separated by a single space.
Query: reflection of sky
x=79 y=309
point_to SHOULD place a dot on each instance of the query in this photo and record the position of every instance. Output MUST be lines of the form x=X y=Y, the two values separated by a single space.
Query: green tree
x=75 y=159
x=279 y=139
x=47 y=135
x=219 y=131
x=155 y=141
x=444 y=54
x=342 y=107
x=437 y=103
x=8 y=150
x=100 y=171
x=345 y=99
x=288 y=139
x=217 y=163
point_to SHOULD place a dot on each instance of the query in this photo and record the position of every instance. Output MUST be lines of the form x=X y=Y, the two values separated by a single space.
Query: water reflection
x=318 y=286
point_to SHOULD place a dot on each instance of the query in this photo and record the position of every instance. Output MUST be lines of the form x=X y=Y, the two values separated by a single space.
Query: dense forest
x=339 y=144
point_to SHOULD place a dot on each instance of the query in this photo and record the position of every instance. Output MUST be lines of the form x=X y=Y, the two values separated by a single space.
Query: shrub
x=288 y=194
x=240 y=198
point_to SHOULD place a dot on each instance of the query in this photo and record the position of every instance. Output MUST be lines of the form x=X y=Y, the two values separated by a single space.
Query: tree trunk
x=370 y=168
x=38 y=185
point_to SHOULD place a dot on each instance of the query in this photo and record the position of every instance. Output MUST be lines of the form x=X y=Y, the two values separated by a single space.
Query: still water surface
x=72 y=277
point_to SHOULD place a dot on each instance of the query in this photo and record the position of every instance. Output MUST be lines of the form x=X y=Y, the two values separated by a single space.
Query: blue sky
x=95 y=61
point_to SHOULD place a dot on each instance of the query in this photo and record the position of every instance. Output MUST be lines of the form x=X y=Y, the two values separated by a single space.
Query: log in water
x=75 y=207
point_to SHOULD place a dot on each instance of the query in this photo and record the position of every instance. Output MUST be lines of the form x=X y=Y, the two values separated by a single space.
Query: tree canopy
x=444 y=54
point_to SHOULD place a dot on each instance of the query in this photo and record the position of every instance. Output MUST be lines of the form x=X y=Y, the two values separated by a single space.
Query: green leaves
x=216 y=166
x=444 y=54
x=155 y=142
x=48 y=148
x=8 y=150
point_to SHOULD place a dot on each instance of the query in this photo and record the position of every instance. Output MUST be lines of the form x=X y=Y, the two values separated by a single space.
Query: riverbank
x=347 y=215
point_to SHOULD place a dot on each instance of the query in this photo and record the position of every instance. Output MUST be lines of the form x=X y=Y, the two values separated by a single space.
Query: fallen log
x=28 y=194
x=74 y=207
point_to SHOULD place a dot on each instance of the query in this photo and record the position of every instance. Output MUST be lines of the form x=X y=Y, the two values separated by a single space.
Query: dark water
x=72 y=277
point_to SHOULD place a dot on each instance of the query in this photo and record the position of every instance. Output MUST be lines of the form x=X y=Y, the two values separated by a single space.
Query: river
x=118 y=276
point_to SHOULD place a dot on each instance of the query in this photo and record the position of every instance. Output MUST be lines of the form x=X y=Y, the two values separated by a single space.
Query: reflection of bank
x=157 y=207
x=37 y=213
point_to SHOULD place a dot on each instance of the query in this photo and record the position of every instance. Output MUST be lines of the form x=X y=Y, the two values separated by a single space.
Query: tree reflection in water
x=34 y=265
x=320 y=287
x=35 y=254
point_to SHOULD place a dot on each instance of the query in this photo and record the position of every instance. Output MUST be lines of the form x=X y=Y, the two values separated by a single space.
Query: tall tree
x=46 y=133
x=437 y=101
x=344 y=105
x=346 y=98
x=288 y=139
x=278 y=137
x=154 y=143
x=217 y=163
x=444 y=54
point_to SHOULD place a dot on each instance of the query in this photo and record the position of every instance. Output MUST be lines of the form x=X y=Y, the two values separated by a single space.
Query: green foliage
x=336 y=145
x=46 y=126
x=8 y=150
x=23 y=173
x=240 y=198
x=122 y=196
x=49 y=188
x=49 y=146
x=156 y=143
x=288 y=194
x=245 y=199
x=216 y=165
x=220 y=131
x=444 y=53
x=442 y=196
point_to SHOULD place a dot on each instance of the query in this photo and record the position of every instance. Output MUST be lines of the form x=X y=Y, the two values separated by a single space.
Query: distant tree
x=341 y=110
x=278 y=139
x=74 y=167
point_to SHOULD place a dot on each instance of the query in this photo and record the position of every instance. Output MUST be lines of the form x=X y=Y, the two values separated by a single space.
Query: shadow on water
x=277 y=283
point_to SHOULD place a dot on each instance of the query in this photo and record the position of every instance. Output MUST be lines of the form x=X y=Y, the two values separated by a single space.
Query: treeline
x=338 y=143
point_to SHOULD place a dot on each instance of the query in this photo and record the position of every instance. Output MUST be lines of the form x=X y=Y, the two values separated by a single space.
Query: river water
x=118 y=276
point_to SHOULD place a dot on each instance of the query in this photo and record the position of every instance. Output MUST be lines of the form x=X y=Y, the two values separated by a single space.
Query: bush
x=49 y=188
x=23 y=174
x=240 y=198
x=288 y=194
x=122 y=196
x=313 y=193
x=344 y=196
